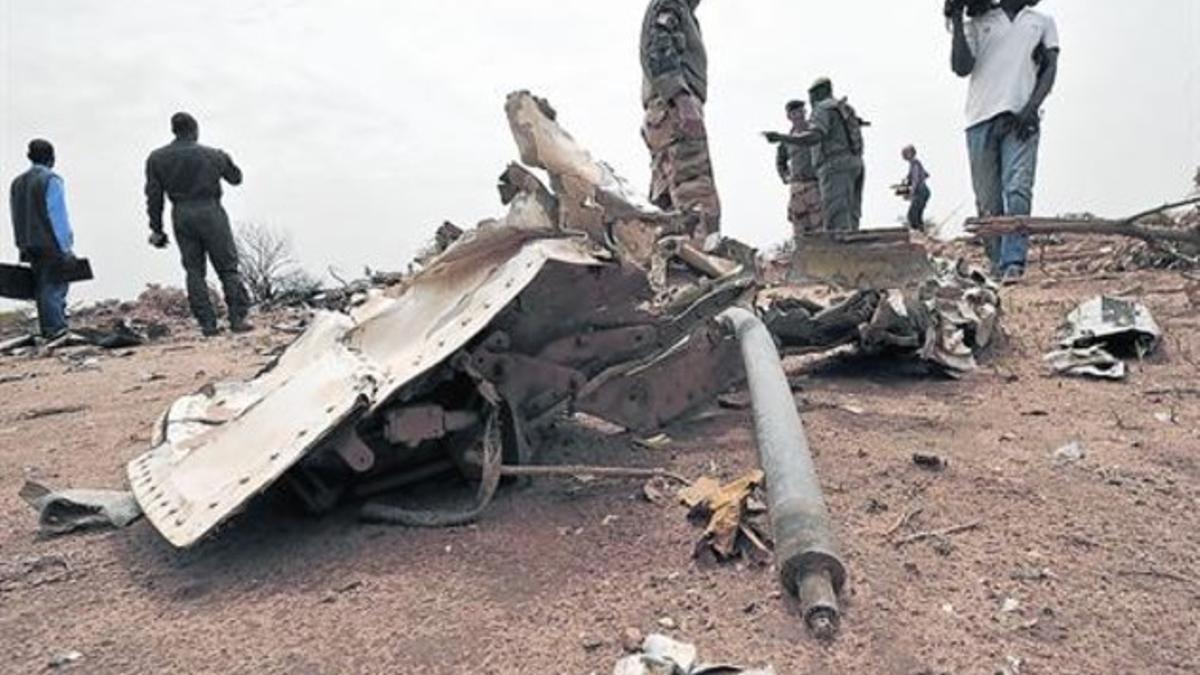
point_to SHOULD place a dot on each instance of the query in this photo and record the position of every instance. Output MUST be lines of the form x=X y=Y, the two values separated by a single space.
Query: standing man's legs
x=682 y=169
x=804 y=207
x=51 y=299
x=222 y=251
x=837 y=191
x=856 y=200
x=1018 y=159
x=983 y=148
x=916 y=209
x=189 y=236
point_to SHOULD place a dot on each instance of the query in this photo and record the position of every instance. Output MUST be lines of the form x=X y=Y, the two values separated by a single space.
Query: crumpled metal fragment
x=1098 y=332
x=1123 y=326
x=950 y=317
x=1094 y=361
x=63 y=511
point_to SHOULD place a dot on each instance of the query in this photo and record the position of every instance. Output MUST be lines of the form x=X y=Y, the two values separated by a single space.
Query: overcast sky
x=363 y=124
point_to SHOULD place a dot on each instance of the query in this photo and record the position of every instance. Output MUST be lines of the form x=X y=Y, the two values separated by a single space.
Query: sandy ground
x=1098 y=562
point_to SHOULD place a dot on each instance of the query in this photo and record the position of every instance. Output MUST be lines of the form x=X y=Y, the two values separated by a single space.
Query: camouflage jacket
x=673 y=56
x=794 y=163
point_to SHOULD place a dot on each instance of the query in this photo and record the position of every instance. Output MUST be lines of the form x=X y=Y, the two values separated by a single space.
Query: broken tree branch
x=1125 y=227
x=937 y=534
x=593 y=471
x=1159 y=574
x=903 y=521
x=39 y=413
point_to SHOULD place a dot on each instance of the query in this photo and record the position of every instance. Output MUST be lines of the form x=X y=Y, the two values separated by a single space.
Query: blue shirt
x=56 y=206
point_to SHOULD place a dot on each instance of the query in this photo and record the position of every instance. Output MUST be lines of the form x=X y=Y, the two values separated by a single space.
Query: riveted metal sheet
x=226 y=444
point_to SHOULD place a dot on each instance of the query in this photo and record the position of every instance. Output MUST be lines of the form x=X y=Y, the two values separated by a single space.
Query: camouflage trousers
x=681 y=170
x=842 y=193
x=804 y=207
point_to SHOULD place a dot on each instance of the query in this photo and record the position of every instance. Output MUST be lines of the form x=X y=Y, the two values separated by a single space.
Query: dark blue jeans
x=1003 y=171
x=916 y=208
x=51 y=299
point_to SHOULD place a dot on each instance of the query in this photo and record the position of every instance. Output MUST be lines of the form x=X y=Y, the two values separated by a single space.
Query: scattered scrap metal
x=1098 y=333
x=583 y=298
x=952 y=315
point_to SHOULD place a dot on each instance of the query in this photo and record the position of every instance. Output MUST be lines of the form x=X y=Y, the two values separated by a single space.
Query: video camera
x=955 y=8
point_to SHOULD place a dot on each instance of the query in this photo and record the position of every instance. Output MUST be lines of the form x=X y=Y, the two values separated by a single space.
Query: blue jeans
x=51 y=299
x=1003 y=170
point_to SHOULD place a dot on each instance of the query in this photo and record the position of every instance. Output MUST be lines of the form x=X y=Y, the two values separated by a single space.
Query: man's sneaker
x=1012 y=276
x=210 y=331
x=241 y=326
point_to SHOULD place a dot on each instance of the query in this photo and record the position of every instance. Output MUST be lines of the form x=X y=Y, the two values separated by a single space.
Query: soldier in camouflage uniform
x=674 y=90
x=795 y=167
x=835 y=137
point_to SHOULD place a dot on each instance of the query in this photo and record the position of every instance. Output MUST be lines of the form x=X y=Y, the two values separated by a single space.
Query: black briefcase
x=16 y=281
x=73 y=270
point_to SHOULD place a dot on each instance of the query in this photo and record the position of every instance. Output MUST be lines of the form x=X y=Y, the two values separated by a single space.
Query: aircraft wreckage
x=583 y=298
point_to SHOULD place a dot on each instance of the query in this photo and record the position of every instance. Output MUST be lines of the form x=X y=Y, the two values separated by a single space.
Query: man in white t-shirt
x=1010 y=52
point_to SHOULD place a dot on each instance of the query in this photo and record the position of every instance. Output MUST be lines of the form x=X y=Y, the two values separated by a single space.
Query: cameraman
x=1010 y=52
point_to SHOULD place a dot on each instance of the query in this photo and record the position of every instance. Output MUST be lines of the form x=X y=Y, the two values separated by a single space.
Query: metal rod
x=809 y=564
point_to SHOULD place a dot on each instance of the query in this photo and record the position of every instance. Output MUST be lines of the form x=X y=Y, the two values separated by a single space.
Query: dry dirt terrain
x=1084 y=567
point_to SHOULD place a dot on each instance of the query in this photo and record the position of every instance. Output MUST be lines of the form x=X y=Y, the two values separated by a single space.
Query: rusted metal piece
x=865 y=259
x=592 y=352
x=413 y=425
x=805 y=547
x=646 y=395
x=357 y=455
x=710 y=265
x=531 y=385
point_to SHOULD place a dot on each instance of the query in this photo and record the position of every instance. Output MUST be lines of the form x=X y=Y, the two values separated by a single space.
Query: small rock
x=63 y=659
x=668 y=623
x=631 y=640
x=609 y=520
x=929 y=461
x=1010 y=605
x=663 y=649
x=1166 y=417
x=591 y=643
x=1069 y=454
x=875 y=506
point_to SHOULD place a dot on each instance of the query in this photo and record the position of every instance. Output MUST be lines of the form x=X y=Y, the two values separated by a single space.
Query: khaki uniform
x=675 y=64
x=839 y=165
x=795 y=166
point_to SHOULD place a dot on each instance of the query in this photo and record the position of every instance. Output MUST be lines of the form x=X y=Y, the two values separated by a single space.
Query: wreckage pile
x=946 y=320
x=584 y=297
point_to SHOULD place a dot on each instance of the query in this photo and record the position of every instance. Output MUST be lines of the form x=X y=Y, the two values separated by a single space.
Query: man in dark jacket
x=43 y=234
x=674 y=90
x=190 y=174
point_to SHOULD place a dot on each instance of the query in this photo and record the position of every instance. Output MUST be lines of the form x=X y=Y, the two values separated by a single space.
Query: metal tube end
x=820 y=604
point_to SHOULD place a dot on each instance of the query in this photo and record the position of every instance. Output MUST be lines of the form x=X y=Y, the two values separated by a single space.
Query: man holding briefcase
x=43 y=235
